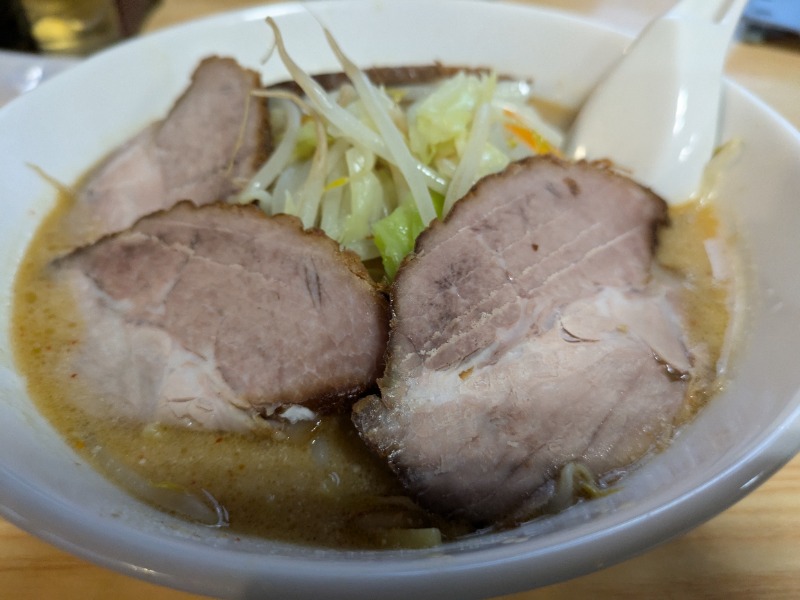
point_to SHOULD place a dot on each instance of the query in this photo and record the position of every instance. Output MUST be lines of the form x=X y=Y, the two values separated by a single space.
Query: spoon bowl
x=655 y=114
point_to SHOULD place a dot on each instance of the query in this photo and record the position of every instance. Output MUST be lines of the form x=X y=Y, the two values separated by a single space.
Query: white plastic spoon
x=655 y=115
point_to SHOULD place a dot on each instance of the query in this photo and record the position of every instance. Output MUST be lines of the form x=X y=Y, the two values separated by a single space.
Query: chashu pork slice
x=214 y=136
x=216 y=317
x=528 y=333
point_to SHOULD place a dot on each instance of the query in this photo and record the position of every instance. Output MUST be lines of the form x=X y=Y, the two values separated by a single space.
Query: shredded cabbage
x=372 y=167
x=395 y=236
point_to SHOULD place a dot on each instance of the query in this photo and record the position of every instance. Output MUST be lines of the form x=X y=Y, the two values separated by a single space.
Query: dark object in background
x=15 y=31
x=132 y=14
x=67 y=27
x=767 y=19
x=72 y=27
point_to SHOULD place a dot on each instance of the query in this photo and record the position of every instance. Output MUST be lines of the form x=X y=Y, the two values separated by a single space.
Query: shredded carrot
x=515 y=126
x=532 y=139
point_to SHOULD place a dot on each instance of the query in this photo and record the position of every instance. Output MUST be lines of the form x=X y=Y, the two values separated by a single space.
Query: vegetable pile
x=373 y=166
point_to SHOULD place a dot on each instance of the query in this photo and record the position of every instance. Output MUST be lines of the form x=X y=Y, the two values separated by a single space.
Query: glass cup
x=73 y=26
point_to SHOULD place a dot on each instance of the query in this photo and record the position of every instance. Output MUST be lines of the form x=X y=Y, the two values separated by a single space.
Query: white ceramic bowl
x=735 y=444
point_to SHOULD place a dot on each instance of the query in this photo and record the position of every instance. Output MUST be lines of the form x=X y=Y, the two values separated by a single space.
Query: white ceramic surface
x=737 y=441
x=21 y=72
x=655 y=113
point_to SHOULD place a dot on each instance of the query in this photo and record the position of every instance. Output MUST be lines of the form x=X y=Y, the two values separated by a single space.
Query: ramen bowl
x=741 y=437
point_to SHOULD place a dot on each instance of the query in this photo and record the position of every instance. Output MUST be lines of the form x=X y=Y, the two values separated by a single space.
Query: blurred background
x=80 y=27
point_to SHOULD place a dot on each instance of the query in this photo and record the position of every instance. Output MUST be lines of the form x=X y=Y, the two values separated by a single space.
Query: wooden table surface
x=751 y=551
